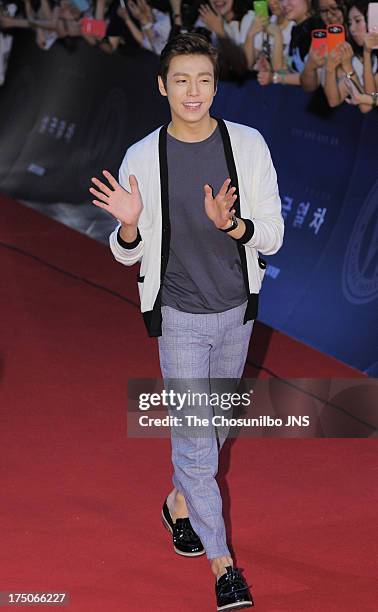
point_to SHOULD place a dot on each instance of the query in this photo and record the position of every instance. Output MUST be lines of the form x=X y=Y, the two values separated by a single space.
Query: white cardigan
x=258 y=200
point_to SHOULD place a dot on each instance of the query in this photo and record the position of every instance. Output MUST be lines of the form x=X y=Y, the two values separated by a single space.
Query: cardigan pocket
x=140 y=280
x=262 y=267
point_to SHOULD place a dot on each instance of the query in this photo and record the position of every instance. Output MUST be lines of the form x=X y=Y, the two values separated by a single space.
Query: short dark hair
x=187 y=44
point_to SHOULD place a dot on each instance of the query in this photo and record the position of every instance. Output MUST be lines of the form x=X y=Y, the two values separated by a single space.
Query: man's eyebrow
x=186 y=74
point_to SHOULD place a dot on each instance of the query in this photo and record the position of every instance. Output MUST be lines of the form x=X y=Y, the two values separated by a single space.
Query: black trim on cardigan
x=129 y=245
x=153 y=318
x=253 y=298
x=249 y=231
x=165 y=222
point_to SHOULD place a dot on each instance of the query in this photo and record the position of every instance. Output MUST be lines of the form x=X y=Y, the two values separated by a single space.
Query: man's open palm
x=219 y=208
x=121 y=204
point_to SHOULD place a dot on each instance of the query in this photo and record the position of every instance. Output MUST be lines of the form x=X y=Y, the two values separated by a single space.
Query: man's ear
x=161 y=86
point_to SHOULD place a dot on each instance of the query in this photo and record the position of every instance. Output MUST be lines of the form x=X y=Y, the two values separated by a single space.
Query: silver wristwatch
x=233 y=225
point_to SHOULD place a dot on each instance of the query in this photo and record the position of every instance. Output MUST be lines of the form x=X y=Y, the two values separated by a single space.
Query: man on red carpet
x=196 y=201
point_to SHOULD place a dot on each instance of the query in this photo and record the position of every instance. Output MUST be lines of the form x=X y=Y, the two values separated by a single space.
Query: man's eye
x=181 y=81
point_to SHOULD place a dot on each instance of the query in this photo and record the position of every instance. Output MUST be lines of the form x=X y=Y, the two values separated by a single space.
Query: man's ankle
x=179 y=498
x=219 y=564
x=177 y=505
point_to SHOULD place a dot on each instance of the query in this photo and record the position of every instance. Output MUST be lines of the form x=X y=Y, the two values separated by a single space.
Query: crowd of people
x=273 y=40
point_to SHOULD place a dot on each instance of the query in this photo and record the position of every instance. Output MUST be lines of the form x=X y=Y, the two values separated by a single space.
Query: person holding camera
x=301 y=13
x=331 y=12
x=268 y=38
x=356 y=60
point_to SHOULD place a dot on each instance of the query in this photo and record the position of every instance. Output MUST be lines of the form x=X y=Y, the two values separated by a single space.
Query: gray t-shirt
x=204 y=272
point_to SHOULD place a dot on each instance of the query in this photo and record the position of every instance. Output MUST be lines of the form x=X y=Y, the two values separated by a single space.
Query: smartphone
x=261 y=8
x=335 y=36
x=93 y=27
x=373 y=18
x=319 y=40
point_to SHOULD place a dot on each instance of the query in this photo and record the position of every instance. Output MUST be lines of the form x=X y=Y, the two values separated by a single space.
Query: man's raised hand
x=121 y=204
x=219 y=209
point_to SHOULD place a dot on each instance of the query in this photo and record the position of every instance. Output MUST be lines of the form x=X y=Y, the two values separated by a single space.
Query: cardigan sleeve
x=131 y=254
x=268 y=225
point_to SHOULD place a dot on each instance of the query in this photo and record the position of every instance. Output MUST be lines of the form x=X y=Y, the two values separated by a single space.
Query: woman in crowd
x=270 y=38
x=226 y=18
x=356 y=60
x=154 y=26
x=299 y=11
x=227 y=22
x=331 y=12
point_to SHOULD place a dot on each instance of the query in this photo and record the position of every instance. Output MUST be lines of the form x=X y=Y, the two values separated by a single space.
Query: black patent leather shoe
x=185 y=540
x=232 y=591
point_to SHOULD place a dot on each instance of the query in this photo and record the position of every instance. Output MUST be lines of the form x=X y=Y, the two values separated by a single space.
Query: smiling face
x=330 y=12
x=296 y=10
x=357 y=25
x=190 y=88
x=222 y=6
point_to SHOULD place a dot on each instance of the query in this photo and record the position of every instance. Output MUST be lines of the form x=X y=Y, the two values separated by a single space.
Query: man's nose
x=193 y=88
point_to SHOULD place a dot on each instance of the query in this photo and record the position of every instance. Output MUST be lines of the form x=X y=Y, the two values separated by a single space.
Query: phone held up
x=319 y=41
x=260 y=8
x=332 y=37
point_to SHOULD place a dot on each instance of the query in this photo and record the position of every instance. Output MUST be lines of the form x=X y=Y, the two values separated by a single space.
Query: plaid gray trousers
x=205 y=347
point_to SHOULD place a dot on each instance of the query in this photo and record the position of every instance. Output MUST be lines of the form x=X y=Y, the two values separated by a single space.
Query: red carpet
x=80 y=501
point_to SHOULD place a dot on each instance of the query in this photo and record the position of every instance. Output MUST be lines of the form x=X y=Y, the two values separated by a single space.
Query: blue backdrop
x=322 y=287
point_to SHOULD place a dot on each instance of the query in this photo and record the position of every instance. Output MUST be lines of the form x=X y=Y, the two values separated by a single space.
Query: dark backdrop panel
x=67 y=115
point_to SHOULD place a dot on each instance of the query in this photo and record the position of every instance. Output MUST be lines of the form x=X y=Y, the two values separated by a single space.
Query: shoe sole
x=179 y=552
x=236 y=606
